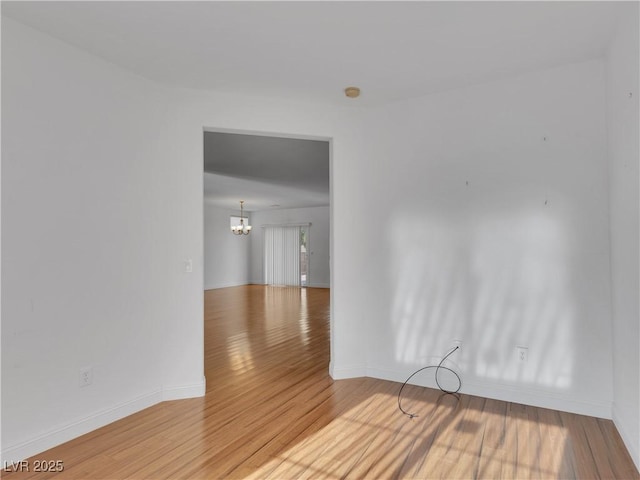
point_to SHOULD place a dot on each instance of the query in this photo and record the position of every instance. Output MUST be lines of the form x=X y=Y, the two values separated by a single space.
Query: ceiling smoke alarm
x=352 y=92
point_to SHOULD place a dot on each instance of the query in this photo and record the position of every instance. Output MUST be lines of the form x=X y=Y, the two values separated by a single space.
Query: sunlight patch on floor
x=446 y=441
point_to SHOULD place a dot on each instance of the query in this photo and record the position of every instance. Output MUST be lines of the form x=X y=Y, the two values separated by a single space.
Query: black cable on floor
x=438 y=368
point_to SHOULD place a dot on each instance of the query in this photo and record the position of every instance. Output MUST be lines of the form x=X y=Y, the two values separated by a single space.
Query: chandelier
x=241 y=229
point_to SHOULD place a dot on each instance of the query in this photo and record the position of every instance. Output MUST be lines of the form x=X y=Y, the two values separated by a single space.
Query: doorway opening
x=283 y=180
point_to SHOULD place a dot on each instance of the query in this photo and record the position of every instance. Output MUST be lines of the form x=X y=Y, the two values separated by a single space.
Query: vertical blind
x=282 y=255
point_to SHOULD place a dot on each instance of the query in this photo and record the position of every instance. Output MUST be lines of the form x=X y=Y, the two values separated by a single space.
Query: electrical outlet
x=456 y=343
x=85 y=376
x=523 y=353
x=188 y=265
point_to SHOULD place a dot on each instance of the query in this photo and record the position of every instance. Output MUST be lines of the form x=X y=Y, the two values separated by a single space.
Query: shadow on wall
x=494 y=282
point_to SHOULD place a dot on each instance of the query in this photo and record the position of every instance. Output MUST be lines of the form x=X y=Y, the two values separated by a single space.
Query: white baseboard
x=540 y=398
x=311 y=285
x=512 y=393
x=214 y=286
x=65 y=433
x=75 y=429
x=350 y=371
x=181 y=392
x=632 y=444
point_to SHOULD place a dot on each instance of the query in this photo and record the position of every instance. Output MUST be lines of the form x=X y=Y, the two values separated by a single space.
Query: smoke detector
x=352 y=92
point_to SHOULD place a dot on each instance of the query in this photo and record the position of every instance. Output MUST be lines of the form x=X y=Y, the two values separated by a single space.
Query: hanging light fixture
x=241 y=229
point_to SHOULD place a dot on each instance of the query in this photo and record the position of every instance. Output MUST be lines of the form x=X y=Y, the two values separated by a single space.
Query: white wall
x=319 y=234
x=623 y=128
x=103 y=210
x=226 y=256
x=193 y=110
x=99 y=212
x=487 y=221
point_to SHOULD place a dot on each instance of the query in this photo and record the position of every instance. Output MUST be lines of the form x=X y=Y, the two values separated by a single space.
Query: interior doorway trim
x=294 y=136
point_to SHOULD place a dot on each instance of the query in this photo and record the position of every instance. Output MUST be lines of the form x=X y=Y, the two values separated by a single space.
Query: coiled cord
x=438 y=368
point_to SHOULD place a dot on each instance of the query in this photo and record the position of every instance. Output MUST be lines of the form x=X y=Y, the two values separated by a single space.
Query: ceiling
x=312 y=51
x=266 y=172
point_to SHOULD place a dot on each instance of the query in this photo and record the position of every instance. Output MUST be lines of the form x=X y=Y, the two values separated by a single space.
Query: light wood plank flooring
x=272 y=411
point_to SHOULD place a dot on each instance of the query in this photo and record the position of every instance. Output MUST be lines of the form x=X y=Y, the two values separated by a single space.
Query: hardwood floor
x=272 y=411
